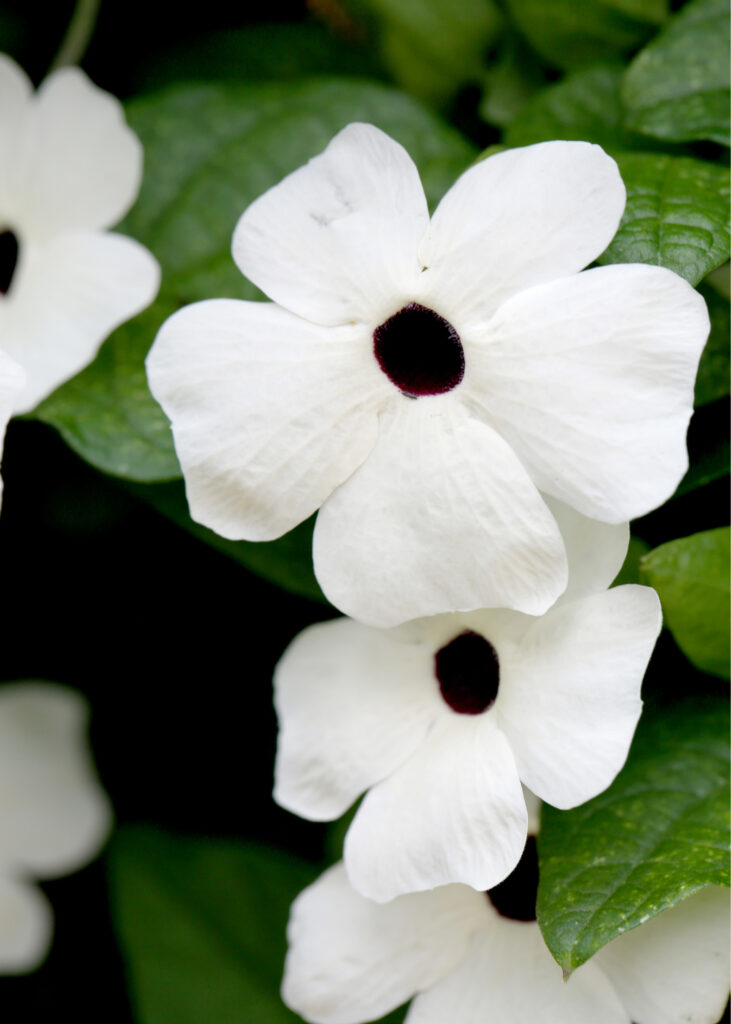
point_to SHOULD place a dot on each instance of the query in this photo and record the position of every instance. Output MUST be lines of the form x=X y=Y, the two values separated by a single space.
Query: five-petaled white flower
x=70 y=169
x=441 y=719
x=423 y=380
x=54 y=816
x=479 y=958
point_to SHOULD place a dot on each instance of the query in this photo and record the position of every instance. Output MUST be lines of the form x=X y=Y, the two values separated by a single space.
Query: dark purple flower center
x=468 y=672
x=515 y=896
x=8 y=259
x=419 y=351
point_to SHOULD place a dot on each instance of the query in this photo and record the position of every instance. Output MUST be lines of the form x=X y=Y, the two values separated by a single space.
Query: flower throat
x=468 y=672
x=8 y=259
x=419 y=351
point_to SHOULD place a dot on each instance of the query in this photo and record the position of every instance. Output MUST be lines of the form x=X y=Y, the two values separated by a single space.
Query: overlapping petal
x=595 y=551
x=270 y=413
x=569 y=698
x=454 y=812
x=352 y=707
x=352 y=960
x=590 y=380
x=15 y=96
x=26 y=925
x=517 y=219
x=441 y=516
x=336 y=241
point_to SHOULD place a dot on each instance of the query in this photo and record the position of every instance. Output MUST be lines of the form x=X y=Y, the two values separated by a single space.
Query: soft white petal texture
x=569 y=696
x=66 y=297
x=269 y=412
x=595 y=551
x=441 y=515
x=15 y=97
x=517 y=219
x=509 y=977
x=351 y=960
x=54 y=814
x=78 y=166
x=454 y=812
x=26 y=926
x=674 y=969
x=337 y=239
x=353 y=703
x=590 y=379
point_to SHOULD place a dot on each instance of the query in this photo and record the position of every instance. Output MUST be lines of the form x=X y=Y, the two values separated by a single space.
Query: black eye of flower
x=8 y=259
x=468 y=672
x=419 y=351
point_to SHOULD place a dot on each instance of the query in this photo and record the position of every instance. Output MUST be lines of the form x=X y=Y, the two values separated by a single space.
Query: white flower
x=423 y=380
x=70 y=168
x=351 y=960
x=54 y=816
x=441 y=719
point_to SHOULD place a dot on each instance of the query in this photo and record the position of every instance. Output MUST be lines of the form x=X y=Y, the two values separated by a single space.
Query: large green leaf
x=691 y=575
x=209 y=151
x=657 y=835
x=201 y=924
x=677 y=214
x=570 y=34
x=677 y=88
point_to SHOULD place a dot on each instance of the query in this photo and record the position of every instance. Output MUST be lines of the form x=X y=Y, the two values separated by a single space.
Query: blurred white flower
x=422 y=380
x=442 y=718
x=54 y=816
x=472 y=958
x=70 y=168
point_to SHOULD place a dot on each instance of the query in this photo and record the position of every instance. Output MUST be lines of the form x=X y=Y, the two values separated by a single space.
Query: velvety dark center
x=515 y=897
x=8 y=259
x=468 y=672
x=419 y=351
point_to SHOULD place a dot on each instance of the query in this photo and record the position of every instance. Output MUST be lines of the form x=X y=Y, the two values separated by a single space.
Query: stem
x=78 y=34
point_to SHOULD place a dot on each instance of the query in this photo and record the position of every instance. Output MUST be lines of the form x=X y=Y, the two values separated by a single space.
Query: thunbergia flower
x=442 y=718
x=54 y=816
x=70 y=169
x=420 y=381
x=479 y=958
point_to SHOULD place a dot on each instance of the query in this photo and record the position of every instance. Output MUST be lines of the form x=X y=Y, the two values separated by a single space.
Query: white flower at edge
x=420 y=381
x=69 y=169
x=351 y=960
x=54 y=816
x=442 y=718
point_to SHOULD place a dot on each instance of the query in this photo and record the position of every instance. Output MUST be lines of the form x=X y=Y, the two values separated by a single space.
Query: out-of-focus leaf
x=677 y=214
x=210 y=150
x=570 y=35
x=657 y=835
x=510 y=82
x=630 y=571
x=691 y=575
x=713 y=373
x=677 y=88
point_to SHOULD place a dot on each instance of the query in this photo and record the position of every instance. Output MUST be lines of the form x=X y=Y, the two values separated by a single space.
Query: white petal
x=337 y=239
x=595 y=551
x=453 y=813
x=509 y=977
x=269 y=412
x=26 y=925
x=54 y=814
x=517 y=219
x=569 y=697
x=12 y=381
x=590 y=379
x=440 y=516
x=16 y=94
x=674 y=969
x=353 y=703
x=351 y=960
x=66 y=297
x=80 y=166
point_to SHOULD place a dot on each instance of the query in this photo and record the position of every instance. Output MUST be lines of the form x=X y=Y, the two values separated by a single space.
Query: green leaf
x=209 y=151
x=691 y=576
x=715 y=368
x=630 y=571
x=677 y=88
x=510 y=81
x=201 y=925
x=657 y=835
x=287 y=561
x=677 y=214
x=570 y=35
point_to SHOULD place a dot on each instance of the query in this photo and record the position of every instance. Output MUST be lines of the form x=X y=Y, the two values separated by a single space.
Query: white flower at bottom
x=467 y=960
x=70 y=169
x=441 y=719
x=54 y=816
